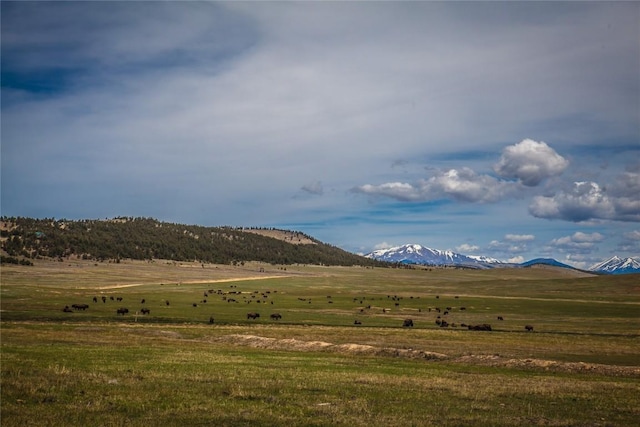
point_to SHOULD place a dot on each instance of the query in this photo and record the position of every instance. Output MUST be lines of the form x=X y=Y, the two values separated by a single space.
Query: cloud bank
x=289 y=114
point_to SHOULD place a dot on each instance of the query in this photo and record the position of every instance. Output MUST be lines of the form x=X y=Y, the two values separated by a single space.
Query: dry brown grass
x=292 y=237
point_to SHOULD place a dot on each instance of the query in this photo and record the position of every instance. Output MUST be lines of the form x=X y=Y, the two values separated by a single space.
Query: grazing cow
x=122 y=310
x=143 y=301
x=167 y=303
x=528 y=328
x=211 y=320
x=253 y=315
x=66 y=309
x=276 y=316
x=500 y=318
x=357 y=322
x=95 y=299
x=408 y=323
x=119 y=298
x=80 y=306
x=483 y=327
x=104 y=299
x=194 y=304
x=444 y=324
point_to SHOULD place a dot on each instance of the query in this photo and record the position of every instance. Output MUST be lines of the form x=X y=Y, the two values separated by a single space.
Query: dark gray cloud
x=315 y=188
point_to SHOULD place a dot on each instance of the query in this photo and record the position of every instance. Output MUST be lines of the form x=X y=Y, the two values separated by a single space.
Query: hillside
x=147 y=238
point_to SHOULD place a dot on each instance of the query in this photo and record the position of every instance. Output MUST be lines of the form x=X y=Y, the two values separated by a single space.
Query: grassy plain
x=314 y=367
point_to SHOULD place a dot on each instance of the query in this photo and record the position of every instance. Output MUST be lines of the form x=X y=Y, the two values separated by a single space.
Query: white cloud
x=461 y=184
x=531 y=162
x=633 y=235
x=519 y=237
x=578 y=242
x=630 y=242
x=466 y=248
x=507 y=247
x=516 y=259
x=588 y=200
x=383 y=245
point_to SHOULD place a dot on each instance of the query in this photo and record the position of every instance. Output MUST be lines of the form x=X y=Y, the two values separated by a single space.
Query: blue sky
x=509 y=130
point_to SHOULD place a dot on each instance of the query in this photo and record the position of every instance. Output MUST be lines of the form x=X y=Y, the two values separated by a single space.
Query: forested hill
x=147 y=238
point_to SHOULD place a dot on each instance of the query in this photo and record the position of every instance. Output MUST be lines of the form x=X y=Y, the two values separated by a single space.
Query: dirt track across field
x=191 y=282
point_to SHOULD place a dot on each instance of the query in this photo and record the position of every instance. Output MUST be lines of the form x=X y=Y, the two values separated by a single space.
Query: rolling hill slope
x=147 y=238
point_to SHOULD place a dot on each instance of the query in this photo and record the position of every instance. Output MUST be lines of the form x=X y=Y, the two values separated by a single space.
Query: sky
x=503 y=129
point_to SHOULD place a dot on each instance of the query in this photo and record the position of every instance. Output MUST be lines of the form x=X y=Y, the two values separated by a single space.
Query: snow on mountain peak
x=418 y=254
x=617 y=265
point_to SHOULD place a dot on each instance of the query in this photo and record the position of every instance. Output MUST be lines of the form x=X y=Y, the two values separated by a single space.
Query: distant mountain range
x=422 y=255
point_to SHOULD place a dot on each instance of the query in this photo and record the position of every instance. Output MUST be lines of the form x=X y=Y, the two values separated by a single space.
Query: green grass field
x=315 y=367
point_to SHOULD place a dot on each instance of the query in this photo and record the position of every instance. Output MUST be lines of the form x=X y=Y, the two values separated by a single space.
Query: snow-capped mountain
x=418 y=254
x=617 y=265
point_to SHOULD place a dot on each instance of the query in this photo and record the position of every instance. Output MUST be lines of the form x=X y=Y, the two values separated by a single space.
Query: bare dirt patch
x=349 y=348
x=551 y=365
x=291 y=344
x=293 y=237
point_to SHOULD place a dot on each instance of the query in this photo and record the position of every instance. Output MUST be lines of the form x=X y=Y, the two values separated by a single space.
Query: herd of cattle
x=442 y=314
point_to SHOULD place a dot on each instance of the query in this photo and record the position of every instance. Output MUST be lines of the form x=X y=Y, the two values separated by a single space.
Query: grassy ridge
x=147 y=238
x=171 y=367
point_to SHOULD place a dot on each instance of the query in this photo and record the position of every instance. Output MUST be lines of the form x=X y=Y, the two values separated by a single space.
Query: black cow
x=211 y=320
x=276 y=316
x=80 y=306
x=500 y=318
x=145 y=311
x=253 y=315
x=66 y=309
x=408 y=323
x=528 y=328
x=122 y=310
x=357 y=322
x=95 y=299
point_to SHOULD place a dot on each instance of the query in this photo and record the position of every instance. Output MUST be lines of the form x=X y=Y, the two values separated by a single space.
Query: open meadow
x=328 y=347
